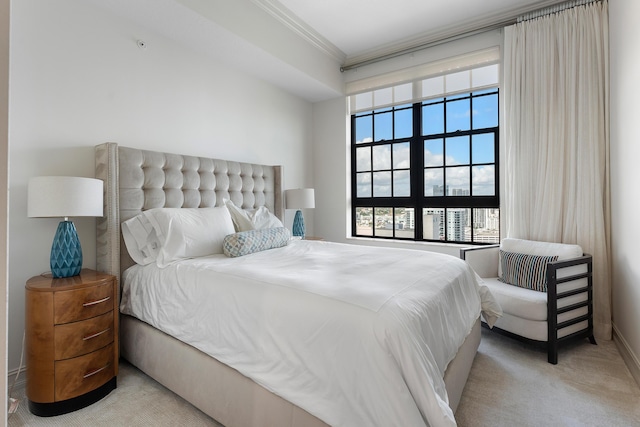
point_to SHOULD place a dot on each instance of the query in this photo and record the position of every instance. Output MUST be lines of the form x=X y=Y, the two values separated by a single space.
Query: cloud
x=458 y=177
x=363 y=158
x=431 y=159
x=484 y=181
x=382 y=157
x=381 y=184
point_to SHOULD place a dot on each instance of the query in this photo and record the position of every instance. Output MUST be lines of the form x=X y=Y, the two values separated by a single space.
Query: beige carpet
x=138 y=401
x=510 y=384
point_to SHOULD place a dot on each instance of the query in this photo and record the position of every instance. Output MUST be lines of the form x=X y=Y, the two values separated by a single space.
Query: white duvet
x=357 y=336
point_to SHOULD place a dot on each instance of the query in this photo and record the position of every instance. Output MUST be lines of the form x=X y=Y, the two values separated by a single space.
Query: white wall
x=4 y=196
x=79 y=79
x=625 y=175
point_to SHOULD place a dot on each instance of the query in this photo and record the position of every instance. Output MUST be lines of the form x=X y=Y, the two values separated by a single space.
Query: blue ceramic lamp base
x=66 y=253
x=298 y=224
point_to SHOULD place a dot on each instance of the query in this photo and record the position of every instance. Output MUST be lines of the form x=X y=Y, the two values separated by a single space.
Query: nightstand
x=71 y=340
x=313 y=238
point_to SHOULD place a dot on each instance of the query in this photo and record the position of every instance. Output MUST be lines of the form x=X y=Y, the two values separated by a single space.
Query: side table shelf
x=71 y=340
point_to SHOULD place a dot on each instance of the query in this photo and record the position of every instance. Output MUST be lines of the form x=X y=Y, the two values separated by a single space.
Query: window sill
x=446 y=248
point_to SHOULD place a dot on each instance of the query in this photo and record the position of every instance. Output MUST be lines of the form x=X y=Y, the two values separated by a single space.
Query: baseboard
x=630 y=359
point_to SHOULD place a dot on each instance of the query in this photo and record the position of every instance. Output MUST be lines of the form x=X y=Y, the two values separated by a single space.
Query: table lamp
x=64 y=196
x=299 y=198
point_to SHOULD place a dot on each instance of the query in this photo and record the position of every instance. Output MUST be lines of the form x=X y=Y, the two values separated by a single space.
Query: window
x=428 y=170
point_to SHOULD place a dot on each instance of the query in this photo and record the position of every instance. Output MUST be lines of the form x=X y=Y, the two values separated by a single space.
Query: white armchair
x=545 y=289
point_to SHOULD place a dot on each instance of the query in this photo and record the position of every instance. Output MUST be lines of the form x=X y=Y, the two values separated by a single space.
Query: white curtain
x=557 y=138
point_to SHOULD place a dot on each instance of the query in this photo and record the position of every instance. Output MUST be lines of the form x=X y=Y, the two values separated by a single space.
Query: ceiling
x=362 y=27
x=302 y=45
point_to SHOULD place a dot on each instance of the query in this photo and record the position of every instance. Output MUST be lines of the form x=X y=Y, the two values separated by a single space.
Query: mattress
x=354 y=335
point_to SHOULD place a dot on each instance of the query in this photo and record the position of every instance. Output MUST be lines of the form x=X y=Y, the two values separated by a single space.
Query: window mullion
x=392 y=169
x=417 y=170
x=444 y=171
x=354 y=176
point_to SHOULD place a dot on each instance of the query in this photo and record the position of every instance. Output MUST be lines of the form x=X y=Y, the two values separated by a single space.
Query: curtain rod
x=554 y=9
x=501 y=24
x=426 y=45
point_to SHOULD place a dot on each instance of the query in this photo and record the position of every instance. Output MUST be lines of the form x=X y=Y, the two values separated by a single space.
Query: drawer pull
x=89 y=304
x=92 y=373
x=97 y=334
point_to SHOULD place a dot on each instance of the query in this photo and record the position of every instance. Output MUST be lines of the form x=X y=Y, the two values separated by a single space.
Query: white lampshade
x=64 y=196
x=300 y=198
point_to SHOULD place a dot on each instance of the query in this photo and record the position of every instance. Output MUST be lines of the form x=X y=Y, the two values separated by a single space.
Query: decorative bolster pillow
x=524 y=270
x=248 y=242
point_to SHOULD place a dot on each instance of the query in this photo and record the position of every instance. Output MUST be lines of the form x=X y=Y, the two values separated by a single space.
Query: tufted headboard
x=136 y=180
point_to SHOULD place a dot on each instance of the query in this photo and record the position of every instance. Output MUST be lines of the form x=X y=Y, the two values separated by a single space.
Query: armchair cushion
x=516 y=301
x=524 y=270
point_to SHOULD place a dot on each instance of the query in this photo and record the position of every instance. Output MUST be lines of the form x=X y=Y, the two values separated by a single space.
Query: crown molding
x=295 y=24
x=444 y=34
x=459 y=30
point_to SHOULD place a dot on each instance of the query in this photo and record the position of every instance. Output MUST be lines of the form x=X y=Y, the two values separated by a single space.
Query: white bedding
x=354 y=335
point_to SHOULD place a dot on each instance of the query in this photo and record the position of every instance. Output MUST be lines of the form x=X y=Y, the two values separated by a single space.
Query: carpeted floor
x=510 y=384
x=138 y=401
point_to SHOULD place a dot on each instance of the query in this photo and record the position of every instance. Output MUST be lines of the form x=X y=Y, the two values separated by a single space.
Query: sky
x=462 y=114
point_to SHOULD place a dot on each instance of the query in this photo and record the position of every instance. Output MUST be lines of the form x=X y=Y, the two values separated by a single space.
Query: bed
x=138 y=181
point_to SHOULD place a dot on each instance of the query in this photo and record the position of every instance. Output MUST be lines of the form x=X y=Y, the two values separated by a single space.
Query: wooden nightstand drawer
x=71 y=341
x=80 y=375
x=78 y=338
x=80 y=304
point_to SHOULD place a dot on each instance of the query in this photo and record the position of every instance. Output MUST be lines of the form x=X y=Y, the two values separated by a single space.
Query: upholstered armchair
x=545 y=290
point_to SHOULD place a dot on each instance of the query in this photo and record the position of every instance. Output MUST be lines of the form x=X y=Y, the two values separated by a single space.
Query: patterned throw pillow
x=525 y=271
x=248 y=242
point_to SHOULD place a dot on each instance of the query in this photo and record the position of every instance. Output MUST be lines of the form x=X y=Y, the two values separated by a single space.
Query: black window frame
x=417 y=199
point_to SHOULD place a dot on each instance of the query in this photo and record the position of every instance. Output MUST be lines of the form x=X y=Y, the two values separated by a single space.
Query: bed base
x=228 y=396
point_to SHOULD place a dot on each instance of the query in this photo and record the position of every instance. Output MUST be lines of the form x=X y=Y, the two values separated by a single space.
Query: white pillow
x=140 y=239
x=253 y=219
x=179 y=234
x=240 y=217
x=262 y=218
